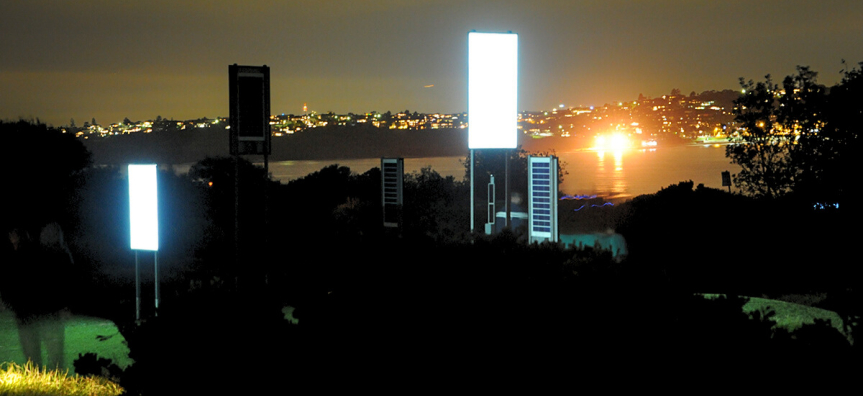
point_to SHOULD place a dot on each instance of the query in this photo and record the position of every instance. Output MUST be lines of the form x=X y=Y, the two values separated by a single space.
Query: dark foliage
x=90 y=364
x=754 y=247
x=434 y=300
x=801 y=138
x=238 y=215
x=436 y=207
x=212 y=341
x=496 y=305
x=44 y=167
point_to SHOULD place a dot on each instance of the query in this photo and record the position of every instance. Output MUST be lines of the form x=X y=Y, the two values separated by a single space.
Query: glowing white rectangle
x=143 y=207
x=492 y=90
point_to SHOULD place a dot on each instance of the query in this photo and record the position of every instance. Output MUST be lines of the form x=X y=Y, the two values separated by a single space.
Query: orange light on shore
x=614 y=142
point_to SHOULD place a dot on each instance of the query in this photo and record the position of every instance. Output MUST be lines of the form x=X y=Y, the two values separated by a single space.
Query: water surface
x=608 y=173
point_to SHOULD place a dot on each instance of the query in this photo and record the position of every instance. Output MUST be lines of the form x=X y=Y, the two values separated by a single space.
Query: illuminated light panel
x=542 y=199
x=492 y=90
x=143 y=211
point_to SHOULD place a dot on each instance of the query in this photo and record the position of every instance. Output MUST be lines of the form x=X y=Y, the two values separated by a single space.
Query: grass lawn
x=82 y=336
x=791 y=316
x=27 y=380
x=83 y=333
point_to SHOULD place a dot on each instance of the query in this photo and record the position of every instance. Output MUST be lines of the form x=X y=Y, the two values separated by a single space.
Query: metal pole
x=156 y=272
x=266 y=211
x=471 y=190
x=236 y=218
x=506 y=201
x=137 y=289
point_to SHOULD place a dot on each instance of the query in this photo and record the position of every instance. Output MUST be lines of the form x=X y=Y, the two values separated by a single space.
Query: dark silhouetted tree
x=44 y=168
x=764 y=154
x=832 y=157
x=800 y=137
x=220 y=201
x=436 y=206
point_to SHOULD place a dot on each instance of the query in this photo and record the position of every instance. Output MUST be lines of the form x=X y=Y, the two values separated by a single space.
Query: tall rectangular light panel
x=542 y=198
x=143 y=207
x=249 y=98
x=492 y=90
x=392 y=190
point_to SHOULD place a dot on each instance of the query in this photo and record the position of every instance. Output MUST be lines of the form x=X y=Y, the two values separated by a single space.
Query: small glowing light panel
x=392 y=190
x=492 y=90
x=542 y=193
x=143 y=212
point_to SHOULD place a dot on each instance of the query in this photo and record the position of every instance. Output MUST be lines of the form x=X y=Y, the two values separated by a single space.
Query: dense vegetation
x=384 y=303
x=436 y=292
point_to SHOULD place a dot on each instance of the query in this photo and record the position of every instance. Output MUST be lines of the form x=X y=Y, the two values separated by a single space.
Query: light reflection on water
x=642 y=171
x=609 y=177
x=606 y=173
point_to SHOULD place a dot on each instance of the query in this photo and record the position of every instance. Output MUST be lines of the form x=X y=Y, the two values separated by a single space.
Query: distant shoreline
x=320 y=144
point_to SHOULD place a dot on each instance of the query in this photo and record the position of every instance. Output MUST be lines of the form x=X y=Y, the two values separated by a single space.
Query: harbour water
x=635 y=172
x=621 y=174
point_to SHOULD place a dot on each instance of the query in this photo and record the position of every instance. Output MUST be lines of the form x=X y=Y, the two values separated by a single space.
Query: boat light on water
x=614 y=142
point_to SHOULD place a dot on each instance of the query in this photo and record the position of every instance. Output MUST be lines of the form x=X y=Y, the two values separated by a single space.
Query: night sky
x=139 y=59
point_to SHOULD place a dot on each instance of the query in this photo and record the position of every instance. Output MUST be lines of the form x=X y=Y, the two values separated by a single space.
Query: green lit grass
x=25 y=379
x=790 y=316
x=83 y=335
